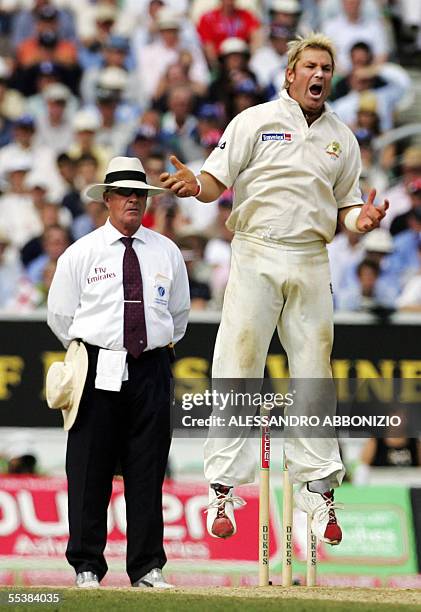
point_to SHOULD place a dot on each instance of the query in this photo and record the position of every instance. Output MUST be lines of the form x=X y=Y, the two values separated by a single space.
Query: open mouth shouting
x=316 y=90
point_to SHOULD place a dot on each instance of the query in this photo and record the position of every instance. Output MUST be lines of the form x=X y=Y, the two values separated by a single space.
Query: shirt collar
x=112 y=234
x=285 y=96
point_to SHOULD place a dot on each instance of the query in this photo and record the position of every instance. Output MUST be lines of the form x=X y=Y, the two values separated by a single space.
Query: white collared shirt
x=289 y=178
x=86 y=298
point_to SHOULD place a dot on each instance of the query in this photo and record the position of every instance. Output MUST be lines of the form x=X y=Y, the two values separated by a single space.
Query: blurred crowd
x=82 y=81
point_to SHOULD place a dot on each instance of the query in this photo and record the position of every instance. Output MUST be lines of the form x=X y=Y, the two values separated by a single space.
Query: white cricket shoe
x=87 y=580
x=220 y=520
x=321 y=508
x=153 y=579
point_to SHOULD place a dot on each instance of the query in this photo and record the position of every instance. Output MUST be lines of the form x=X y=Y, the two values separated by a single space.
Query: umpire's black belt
x=94 y=350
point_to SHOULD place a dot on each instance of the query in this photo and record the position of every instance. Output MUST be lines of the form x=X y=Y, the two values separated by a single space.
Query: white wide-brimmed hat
x=123 y=172
x=168 y=19
x=65 y=382
x=286 y=6
x=86 y=121
x=57 y=92
x=113 y=78
x=234 y=45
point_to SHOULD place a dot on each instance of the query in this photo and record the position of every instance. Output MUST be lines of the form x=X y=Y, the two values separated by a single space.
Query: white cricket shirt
x=289 y=178
x=86 y=298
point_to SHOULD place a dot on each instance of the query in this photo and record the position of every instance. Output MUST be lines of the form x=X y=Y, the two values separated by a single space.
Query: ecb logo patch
x=333 y=149
x=161 y=296
x=280 y=136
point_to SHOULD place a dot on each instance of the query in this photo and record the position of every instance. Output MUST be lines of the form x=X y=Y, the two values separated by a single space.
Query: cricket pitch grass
x=220 y=599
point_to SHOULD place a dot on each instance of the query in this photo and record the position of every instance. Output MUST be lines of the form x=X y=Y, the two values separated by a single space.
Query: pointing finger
x=176 y=162
x=371 y=196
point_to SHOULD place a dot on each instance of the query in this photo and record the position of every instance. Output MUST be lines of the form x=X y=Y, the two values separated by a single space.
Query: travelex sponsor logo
x=161 y=291
x=281 y=136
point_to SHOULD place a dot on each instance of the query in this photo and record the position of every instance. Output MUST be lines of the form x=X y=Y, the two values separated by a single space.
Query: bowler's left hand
x=371 y=215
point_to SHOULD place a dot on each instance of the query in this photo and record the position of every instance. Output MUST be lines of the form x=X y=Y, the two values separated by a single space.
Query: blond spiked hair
x=314 y=40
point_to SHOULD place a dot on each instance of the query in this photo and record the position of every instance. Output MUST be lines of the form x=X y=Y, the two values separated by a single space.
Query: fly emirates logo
x=99 y=275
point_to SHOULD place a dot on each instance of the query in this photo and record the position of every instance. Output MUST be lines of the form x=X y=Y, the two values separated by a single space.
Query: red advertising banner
x=34 y=532
x=33 y=522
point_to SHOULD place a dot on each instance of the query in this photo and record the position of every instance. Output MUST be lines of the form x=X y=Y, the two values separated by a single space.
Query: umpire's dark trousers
x=132 y=425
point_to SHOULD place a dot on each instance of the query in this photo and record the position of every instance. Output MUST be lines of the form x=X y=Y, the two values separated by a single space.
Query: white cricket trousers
x=287 y=287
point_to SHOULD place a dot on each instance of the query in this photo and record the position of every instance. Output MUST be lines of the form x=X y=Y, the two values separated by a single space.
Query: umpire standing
x=122 y=290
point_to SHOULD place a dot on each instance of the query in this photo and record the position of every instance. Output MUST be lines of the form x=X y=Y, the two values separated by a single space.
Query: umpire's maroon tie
x=135 y=338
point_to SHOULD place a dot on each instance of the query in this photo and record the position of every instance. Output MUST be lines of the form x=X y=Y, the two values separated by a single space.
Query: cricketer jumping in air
x=295 y=168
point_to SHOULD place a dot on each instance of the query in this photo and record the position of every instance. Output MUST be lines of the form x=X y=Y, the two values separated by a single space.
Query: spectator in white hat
x=17 y=211
x=10 y=267
x=286 y=13
x=37 y=79
x=145 y=19
x=55 y=240
x=366 y=295
x=225 y=21
x=86 y=124
x=403 y=222
x=351 y=26
x=54 y=127
x=11 y=101
x=114 y=53
x=179 y=123
x=409 y=168
x=233 y=68
x=50 y=215
x=269 y=62
x=118 y=119
x=376 y=247
x=122 y=84
x=41 y=193
x=96 y=22
x=156 y=57
x=42 y=157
